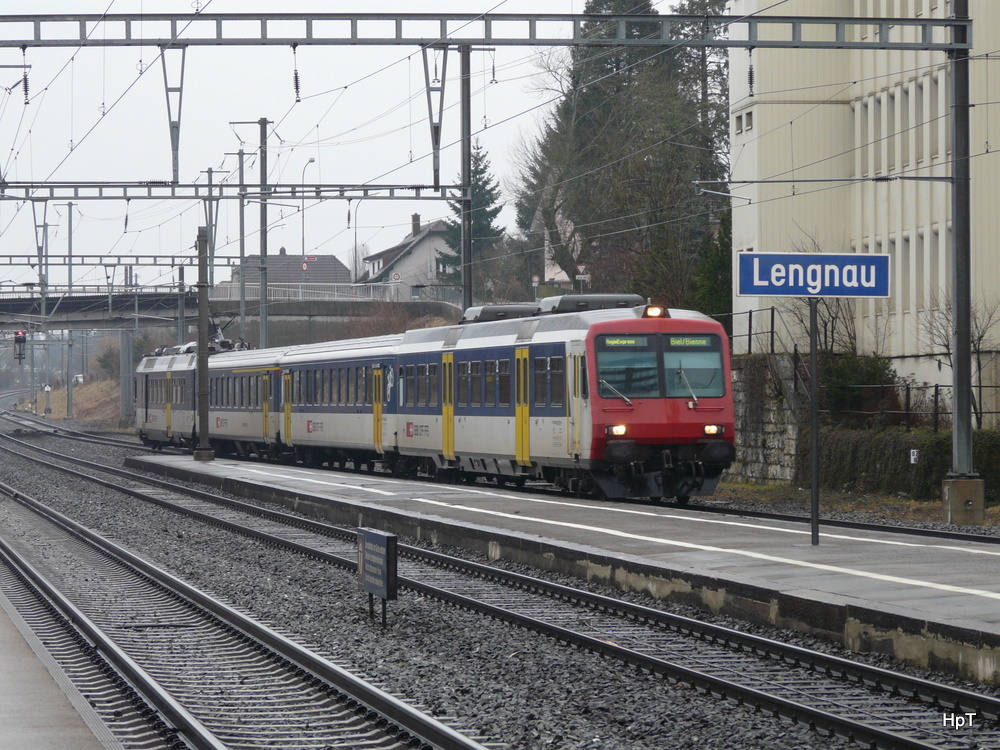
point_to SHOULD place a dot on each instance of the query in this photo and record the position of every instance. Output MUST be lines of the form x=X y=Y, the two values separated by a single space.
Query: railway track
x=214 y=676
x=873 y=706
x=41 y=425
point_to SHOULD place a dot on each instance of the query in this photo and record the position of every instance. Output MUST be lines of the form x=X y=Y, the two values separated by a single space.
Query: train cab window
x=503 y=379
x=541 y=380
x=462 y=381
x=476 y=383
x=490 y=397
x=692 y=365
x=433 y=384
x=627 y=366
x=557 y=381
x=411 y=385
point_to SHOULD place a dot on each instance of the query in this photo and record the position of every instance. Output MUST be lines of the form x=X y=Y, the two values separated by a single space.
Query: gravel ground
x=501 y=682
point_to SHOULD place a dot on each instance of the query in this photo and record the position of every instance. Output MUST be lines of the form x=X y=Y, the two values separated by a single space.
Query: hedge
x=879 y=461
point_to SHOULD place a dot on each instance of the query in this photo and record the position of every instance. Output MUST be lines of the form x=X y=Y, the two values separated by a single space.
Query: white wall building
x=843 y=115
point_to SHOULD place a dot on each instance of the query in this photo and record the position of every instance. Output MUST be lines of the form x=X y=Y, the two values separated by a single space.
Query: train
x=600 y=395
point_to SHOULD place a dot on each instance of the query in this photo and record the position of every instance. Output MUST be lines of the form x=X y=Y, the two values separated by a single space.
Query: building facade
x=812 y=131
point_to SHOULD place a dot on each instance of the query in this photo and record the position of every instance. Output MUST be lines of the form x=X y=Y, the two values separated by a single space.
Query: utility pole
x=263 y=232
x=465 y=53
x=204 y=450
x=962 y=489
x=243 y=249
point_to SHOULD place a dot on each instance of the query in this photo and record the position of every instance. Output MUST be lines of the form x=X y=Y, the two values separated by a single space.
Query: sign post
x=377 y=567
x=813 y=275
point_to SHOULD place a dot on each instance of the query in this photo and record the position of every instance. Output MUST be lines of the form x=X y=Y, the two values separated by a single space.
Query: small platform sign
x=377 y=567
x=813 y=275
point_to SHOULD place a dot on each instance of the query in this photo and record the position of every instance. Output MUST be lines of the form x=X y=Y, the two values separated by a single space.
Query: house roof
x=287 y=269
x=391 y=255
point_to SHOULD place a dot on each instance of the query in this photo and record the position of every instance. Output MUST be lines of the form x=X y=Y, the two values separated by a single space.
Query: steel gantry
x=177 y=32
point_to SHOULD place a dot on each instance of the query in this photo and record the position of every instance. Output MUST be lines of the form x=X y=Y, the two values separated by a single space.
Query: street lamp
x=303 y=183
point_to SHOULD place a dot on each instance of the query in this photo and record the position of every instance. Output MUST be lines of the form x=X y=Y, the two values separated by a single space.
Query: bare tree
x=938 y=326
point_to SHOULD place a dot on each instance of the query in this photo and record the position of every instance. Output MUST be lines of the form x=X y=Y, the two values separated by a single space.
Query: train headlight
x=714 y=429
x=654 y=311
x=617 y=430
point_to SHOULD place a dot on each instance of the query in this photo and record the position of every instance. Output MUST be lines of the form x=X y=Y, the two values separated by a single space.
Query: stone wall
x=770 y=414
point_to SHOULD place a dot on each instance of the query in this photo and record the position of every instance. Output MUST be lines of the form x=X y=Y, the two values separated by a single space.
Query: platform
x=933 y=604
x=39 y=708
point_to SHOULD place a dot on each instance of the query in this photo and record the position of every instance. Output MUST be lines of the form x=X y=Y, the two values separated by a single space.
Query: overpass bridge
x=297 y=313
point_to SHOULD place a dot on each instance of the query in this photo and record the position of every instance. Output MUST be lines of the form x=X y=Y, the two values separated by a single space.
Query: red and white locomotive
x=599 y=394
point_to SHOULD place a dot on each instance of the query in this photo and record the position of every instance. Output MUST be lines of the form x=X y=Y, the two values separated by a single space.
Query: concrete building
x=847 y=116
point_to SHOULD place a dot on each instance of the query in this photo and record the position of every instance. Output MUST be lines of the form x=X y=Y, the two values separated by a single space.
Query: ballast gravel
x=501 y=683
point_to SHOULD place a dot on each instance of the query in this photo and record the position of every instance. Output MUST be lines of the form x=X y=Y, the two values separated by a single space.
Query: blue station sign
x=813 y=275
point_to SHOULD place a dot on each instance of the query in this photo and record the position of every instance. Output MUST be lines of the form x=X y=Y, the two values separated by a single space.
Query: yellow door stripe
x=448 y=406
x=522 y=416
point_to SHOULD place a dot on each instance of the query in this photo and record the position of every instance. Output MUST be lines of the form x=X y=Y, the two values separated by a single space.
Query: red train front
x=661 y=405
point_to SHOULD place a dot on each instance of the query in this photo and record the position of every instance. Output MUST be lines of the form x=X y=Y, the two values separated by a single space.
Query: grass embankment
x=97 y=403
x=875 y=507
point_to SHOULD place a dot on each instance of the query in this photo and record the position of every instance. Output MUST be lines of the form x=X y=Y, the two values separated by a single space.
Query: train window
x=401 y=386
x=557 y=381
x=421 y=385
x=433 y=384
x=325 y=396
x=503 y=379
x=541 y=380
x=462 y=381
x=365 y=373
x=584 y=383
x=476 y=383
x=352 y=385
x=411 y=385
x=627 y=366
x=693 y=366
x=343 y=386
x=491 y=383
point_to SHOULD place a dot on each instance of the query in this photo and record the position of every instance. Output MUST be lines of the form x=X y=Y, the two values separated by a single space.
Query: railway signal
x=20 y=338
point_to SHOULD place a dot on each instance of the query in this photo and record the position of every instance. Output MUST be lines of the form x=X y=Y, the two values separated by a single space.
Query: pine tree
x=486 y=236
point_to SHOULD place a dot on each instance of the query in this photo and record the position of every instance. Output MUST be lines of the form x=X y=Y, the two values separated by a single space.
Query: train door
x=448 y=406
x=576 y=402
x=145 y=399
x=522 y=399
x=265 y=405
x=286 y=397
x=378 y=396
x=169 y=398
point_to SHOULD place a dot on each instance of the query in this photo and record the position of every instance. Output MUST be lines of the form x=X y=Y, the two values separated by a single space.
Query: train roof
x=491 y=325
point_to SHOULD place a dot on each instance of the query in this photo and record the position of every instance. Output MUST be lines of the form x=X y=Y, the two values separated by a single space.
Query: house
x=413 y=264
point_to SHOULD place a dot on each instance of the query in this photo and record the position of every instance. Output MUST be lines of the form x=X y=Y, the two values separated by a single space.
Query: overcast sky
x=99 y=114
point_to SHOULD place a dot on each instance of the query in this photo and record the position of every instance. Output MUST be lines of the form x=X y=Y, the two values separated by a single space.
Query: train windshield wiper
x=615 y=391
x=680 y=371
